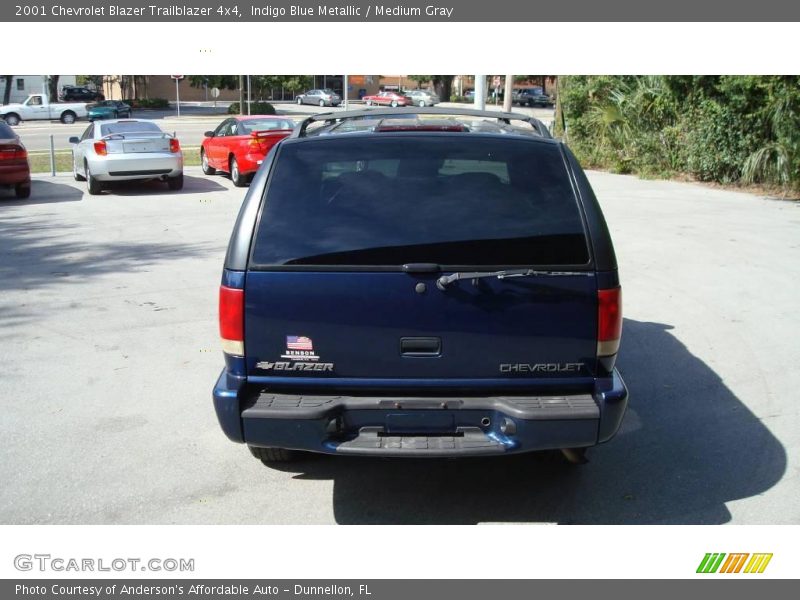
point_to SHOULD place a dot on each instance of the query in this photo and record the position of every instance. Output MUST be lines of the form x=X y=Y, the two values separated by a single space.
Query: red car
x=238 y=145
x=14 y=168
x=388 y=99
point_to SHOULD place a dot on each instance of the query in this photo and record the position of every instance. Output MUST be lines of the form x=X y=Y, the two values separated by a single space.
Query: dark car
x=108 y=109
x=80 y=94
x=532 y=97
x=435 y=286
x=15 y=172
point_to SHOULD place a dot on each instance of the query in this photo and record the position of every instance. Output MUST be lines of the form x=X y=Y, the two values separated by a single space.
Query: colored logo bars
x=734 y=563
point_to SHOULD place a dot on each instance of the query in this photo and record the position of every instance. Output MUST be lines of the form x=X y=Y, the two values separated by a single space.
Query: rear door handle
x=421 y=346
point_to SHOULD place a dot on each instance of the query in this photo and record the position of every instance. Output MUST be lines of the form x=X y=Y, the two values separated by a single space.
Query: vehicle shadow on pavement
x=38 y=252
x=686 y=447
x=191 y=185
x=42 y=192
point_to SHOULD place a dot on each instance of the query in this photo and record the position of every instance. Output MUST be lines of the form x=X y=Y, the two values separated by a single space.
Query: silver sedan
x=123 y=150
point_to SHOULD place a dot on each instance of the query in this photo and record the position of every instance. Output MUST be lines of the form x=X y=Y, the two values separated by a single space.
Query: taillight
x=231 y=320
x=609 y=324
x=174 y=145
x=13 y=153
x=100 y=148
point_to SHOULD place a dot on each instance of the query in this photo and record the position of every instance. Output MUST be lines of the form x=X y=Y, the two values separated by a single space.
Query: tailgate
x=381 y=326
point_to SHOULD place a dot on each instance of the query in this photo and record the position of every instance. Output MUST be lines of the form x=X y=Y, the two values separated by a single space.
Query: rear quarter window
x=388 y=200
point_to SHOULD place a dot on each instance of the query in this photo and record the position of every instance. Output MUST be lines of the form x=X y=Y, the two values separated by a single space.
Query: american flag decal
x=294 y=342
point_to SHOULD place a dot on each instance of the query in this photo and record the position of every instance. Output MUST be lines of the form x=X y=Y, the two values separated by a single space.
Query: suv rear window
x=451 y=200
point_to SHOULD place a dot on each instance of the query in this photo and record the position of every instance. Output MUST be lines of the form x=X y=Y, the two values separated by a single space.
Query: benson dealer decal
x=301 y=355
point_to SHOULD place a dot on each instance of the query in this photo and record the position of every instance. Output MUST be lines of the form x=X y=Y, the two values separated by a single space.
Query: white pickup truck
x=37 y=107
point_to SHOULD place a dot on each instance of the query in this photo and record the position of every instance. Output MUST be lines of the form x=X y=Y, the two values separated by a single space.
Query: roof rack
x=333 y=117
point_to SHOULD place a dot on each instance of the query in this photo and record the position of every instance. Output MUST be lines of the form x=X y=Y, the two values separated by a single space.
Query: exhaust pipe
x=575 y=456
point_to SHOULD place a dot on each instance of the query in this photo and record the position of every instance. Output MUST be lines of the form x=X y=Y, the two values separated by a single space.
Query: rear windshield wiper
x=446 y=280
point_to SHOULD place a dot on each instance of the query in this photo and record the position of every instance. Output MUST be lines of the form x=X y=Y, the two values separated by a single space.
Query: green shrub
x=716 y=128
x=148 y=102
x=717 y=143
x=256 y=108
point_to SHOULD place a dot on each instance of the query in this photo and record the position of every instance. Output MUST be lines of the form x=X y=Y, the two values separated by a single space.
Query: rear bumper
x=146 y=165
x=14 y=172
x=419 y=426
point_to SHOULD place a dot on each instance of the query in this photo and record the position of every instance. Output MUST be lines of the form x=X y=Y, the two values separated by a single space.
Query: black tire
x=207 y=169
x=23 y=190
x=299 y=100
x=175 y=183
x=394 y=103
x=273 y=455
x=68 y=117
x=12 y=119
x=237 y=178
x=77 y=176
x=92 y=184
x=322 y=103
x=421 y=104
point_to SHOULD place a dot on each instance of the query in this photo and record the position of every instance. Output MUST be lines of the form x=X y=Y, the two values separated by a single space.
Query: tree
x=442 y=84
x=7 y=93
x=52 y=86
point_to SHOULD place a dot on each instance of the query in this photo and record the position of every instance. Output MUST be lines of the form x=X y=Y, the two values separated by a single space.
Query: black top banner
x=432 y=10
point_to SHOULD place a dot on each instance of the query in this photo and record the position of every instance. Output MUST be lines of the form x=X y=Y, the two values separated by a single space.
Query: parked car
x=532 y=97
x=392 y=99
x=38 y=107
x=15 y=172
x=423 y=97
x=82 y=94
x=239 y=144
x=418 y=287
x=326 y=97
x=108 y=109
x=125 y=150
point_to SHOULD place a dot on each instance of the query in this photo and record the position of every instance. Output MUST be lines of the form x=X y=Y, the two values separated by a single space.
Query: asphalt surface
x=108 y=353
x=193 y=122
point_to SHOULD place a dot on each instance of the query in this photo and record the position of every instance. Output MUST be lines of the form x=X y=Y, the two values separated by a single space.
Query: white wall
x=31 y=84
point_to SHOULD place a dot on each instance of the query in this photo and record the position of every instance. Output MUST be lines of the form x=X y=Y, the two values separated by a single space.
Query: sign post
x=177 y=79
x=215 y=95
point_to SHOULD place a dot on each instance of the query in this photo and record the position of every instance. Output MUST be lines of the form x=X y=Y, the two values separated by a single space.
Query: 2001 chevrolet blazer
x=420 y=282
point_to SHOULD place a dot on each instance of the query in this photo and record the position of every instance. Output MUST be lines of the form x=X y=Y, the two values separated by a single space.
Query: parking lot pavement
x=108 y=352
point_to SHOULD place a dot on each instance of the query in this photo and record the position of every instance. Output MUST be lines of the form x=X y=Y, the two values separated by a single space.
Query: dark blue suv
x=420 y=282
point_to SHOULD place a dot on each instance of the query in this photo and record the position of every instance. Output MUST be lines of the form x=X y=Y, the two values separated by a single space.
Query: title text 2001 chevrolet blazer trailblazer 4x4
x=420 y=282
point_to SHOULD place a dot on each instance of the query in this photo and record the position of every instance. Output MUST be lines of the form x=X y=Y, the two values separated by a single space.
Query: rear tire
x=299 y=100
x=322 y=103
x=394 y=103
x=175 y=183
x=369 y=103
x=237 y=178
x=68 y=118
x=92 y=184
x=207 y=169
x=421 y=104
x=23 y=190
x=274 y=455
x=12 y=120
